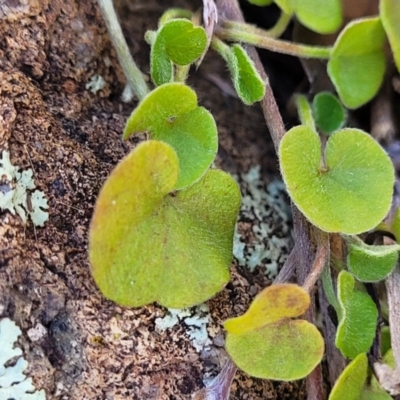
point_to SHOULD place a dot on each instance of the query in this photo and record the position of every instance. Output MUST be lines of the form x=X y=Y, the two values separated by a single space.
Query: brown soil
x=71 y=138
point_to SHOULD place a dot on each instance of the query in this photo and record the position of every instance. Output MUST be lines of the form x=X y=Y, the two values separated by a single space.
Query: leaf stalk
x=131 y=71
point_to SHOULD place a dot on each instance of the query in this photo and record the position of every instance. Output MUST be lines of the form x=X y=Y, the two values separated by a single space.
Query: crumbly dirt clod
x=90 y=348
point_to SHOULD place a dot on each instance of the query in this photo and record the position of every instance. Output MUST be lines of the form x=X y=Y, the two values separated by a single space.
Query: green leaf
x=339 y=193
x=161 y=68
x=389 y=11
x=170 y=113
x=356 y=330
x=319 y=16
x=184 y=42
x=178 y=41
x=266 y=343
x=261 y=2
x=246 y=80
x=357 y=63
x=329 y=114
x=148 y=243
x=351 y=381
x=371 y=263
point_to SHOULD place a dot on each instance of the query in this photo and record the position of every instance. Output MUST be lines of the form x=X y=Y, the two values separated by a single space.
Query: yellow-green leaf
x=148 y=243
x=266 y=343
x=269 y=306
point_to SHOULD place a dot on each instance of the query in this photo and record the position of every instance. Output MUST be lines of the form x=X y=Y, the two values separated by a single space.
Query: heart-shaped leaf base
x=266 y=343
x=348 y=189
x=148 y=243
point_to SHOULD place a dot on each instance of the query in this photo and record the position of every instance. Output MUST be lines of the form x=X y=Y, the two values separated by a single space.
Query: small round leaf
x=246 y=79
x=170 y=113
x=390 y=12
x=285 y=350
x=329 y=114
x=357 y=63
x=178 y=41
x=184 y=42
x=147 y=244
x=266 y=343
x=371 y=263
x=350 y=191
x=356 y=330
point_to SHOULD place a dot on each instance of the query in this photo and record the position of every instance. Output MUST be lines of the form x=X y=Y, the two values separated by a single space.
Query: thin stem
x=288 y=268
x=132 y=73
x=304 y=111
x=220 y=47
x=275 y=45
x=274 y=32
x=181 y=73
x=321 y=259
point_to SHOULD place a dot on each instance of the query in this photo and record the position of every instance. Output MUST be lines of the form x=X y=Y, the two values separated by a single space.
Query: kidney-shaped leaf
x=357 y=325
x=350 y=191
x=170 y=114
x=246 y=79
x=148 y=243
x=178 y=41
x=357 y=63
x=184 y=42
x=266 y=343
x=371 y=263
x=389 y=11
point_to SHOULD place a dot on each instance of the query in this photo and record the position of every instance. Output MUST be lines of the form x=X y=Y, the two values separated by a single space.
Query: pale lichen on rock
x=195 y=319
x=17 y=195
x=265 y=209
x=13 y=382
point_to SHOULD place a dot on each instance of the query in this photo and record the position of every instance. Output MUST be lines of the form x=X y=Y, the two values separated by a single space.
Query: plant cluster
x=164 y=220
